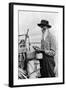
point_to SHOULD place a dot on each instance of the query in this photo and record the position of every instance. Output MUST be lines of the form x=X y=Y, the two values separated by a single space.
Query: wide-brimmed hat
x=44 y=23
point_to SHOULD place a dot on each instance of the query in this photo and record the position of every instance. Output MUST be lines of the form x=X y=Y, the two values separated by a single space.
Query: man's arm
x=50 y=52
x=52 y=44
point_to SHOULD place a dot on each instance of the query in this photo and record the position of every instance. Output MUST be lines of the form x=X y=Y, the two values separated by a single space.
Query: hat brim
x=42 y=25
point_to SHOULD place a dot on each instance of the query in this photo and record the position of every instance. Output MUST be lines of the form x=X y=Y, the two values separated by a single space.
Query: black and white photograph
x=38 y=44
x=37 y=52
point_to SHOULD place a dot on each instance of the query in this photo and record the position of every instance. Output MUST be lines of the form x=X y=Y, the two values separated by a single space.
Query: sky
x=30 y=19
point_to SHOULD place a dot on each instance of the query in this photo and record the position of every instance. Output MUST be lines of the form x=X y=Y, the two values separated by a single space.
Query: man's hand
x=36 y=48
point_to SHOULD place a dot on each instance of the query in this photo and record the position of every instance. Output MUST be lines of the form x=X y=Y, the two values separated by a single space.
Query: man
x=48 y=49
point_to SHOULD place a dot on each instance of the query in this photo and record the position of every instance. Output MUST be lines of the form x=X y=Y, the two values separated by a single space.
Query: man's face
x=44 y=29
